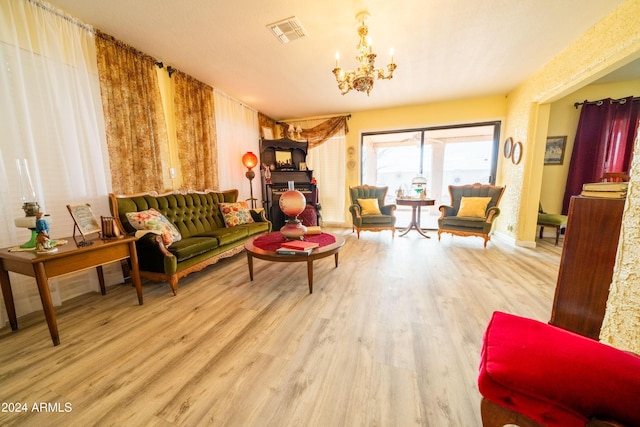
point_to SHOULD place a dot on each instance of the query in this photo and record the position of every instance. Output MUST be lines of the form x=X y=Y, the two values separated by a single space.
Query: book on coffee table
x=299 y=245
x=287 y=251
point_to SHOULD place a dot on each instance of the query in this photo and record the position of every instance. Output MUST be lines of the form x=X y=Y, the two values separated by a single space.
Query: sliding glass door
x=453 y=155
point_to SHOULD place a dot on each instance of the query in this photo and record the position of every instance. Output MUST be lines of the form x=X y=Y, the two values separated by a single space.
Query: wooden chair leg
x=494 y=415
x=557 y=235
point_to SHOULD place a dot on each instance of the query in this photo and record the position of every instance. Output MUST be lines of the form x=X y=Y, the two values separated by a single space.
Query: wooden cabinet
x=285 y=160
x=586 y=266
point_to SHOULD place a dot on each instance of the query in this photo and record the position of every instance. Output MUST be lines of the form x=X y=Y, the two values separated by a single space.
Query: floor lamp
x=249 y=160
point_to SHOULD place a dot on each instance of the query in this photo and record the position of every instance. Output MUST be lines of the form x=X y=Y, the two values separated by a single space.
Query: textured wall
x=611 y=42
x=621 y=326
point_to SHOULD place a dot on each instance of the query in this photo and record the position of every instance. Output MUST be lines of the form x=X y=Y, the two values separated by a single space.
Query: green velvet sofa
x=204 y=238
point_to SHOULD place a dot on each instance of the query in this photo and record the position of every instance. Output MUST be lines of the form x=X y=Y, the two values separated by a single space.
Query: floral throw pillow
x=235 y=213
x=153 y=221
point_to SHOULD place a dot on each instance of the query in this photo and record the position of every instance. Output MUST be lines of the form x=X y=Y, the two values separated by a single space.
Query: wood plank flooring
x=390 y=338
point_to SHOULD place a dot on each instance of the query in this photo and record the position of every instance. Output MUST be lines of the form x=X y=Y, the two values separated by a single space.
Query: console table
x=69 y=258
x=415 y=216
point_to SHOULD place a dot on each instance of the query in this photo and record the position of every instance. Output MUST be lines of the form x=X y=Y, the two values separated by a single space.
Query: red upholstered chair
x=535 y=374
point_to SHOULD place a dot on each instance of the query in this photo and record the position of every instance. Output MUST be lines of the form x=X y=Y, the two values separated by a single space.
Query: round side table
x=415 y=213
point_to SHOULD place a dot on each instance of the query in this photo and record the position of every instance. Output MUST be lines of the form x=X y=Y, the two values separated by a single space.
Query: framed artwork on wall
x=516 y=154
x=554 y=151
x=508 y=147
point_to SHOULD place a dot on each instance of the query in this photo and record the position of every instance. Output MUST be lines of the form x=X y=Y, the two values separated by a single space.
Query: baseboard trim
x=513 y=242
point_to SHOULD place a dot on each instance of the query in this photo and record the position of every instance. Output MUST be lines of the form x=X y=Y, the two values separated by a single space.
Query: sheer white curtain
x=51 y=115
x=238 y=132
x=328 y=164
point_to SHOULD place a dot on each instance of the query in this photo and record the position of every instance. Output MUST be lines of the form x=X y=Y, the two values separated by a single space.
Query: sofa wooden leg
x=173 y=282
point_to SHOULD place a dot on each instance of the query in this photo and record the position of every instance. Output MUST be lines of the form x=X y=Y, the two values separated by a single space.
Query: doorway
x=446 y=155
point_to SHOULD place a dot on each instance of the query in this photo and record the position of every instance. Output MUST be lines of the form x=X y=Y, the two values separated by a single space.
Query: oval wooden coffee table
x=271 y=255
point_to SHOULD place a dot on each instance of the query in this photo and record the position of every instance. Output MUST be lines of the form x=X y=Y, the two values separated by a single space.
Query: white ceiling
x=444 y=49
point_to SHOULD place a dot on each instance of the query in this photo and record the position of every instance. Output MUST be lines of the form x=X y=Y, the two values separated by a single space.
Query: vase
x=293 y=229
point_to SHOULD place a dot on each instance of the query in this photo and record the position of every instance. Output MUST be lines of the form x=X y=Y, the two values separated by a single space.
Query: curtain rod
x=602 y=101
x=329 y=116
x=61 y=14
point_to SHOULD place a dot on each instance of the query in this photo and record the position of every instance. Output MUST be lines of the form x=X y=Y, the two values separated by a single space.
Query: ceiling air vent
x=287 y=30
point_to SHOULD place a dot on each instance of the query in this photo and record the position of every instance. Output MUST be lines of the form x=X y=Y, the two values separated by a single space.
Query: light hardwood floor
x=390 y=338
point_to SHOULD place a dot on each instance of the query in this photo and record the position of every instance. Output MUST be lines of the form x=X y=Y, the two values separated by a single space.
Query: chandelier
x=362 y=79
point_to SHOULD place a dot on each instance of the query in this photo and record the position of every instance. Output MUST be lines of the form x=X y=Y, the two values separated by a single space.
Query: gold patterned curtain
x=134 y=119
x=196 y=131
x=317 y=135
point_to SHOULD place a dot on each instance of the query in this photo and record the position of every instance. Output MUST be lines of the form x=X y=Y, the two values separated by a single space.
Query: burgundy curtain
x=623 y=132
x=604 y=142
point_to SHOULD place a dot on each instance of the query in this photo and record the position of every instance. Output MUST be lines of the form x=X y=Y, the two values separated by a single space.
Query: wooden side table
x=415 y=204
x=68 y=259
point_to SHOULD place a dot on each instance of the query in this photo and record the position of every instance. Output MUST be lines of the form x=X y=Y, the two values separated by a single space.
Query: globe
x=292 y=203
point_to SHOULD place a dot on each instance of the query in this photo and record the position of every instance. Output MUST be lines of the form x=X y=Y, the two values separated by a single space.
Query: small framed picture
x=516 y=154
x=554 y=151
x=508 y=147
x=303 y=166
x=84 y=221
x=267 y=132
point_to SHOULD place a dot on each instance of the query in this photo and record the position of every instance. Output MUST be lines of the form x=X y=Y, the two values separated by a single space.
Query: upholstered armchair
x=473 y=210
x=368 y=210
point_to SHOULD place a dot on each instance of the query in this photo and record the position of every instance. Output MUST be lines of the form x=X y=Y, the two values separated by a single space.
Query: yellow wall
x=563 y=120
x=473 y=110
x=612 y=42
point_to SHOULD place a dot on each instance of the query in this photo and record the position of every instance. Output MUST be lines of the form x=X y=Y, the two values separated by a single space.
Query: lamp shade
x=419 y=180
x=249 y=160
x=292 y=203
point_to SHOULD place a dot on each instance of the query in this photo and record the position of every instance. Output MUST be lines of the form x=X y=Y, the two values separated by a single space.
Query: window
x=453 y=155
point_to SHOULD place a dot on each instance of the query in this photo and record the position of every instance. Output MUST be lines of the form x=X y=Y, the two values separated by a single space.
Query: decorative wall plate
x=516 y=155
x=508 y=147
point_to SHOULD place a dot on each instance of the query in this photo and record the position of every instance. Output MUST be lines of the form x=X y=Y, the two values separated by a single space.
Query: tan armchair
x=473 y=210
x=368 y=210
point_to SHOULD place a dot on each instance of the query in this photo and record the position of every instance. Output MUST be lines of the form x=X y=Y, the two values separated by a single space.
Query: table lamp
x=29 y=204
x=292 y=203
x=419 y=183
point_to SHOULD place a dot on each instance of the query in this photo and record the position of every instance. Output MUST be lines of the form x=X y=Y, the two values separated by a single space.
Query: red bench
x=532 y=374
